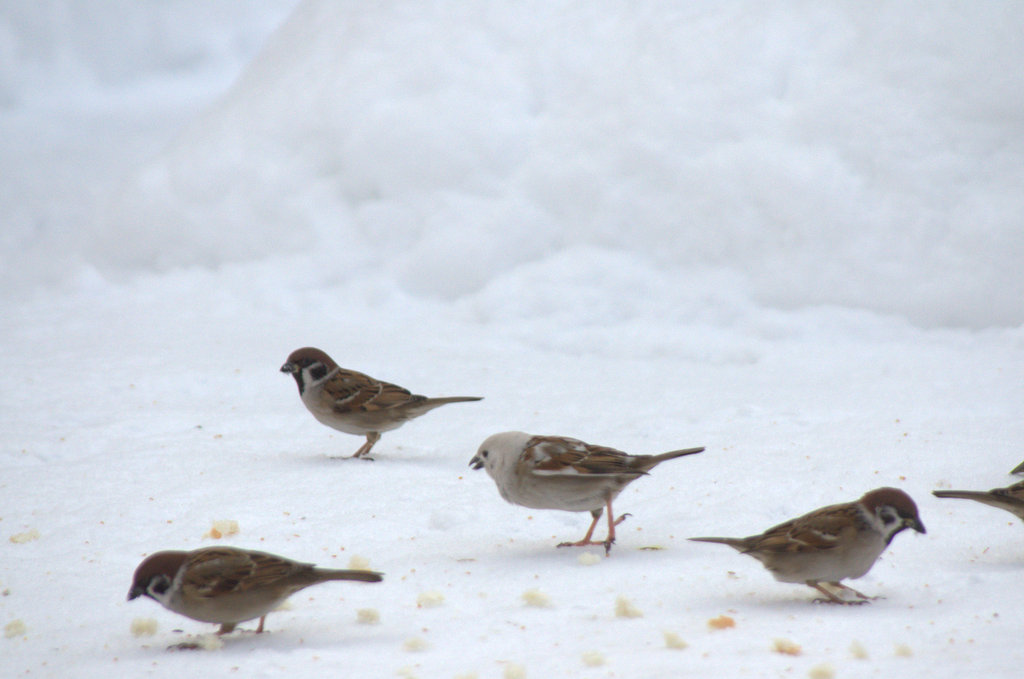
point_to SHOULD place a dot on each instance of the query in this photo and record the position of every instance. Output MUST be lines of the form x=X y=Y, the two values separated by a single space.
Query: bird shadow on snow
x=415 y=458
x=245 y=641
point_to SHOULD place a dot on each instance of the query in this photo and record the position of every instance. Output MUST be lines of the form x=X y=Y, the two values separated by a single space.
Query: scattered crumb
x=822 y=671
x=593 y=659
x=624 y=608
x=903 y=651
x=467 y=675
x=674 y=641
x=367 y=616
x=429 y=599
x=15 y=628
x=588 y=559
x=514 y=671
x=858 y=651
x=406 y=672
x=359 y=563
x=721 y=622
x=27 y=536
x=143 y=627
x=222 y=528
x=786 y=647
x=536 y=598
x=415 y=645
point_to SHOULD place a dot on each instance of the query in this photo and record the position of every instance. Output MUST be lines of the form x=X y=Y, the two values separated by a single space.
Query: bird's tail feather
x=324 y=574
x=736 y=543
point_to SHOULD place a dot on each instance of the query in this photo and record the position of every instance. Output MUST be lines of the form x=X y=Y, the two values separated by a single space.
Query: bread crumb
x=589 y=559
x=721 y=622
x=222 y=528
x=406 y=672
x=593 y=659
x=359 y=563
x=467 y=675
x=15 y=628
x=624 y=608
x=367 y=616
x=514 y=671
x=143 y=627
x=28 y=536
x=786 y=647
x=903 y=651
x=209 y=642
x=415 y=645
x=858 y=651
x=674 y=641
x=536 y=598
x=429 y=599
x=822 y=671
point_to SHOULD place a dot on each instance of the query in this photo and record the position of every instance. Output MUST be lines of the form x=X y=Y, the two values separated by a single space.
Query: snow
x=787 y=232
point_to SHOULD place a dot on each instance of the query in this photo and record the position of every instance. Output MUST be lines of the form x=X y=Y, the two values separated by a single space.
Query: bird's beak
x=289 y=368
x=477 y=462
x=915 y=524
x=135 y=592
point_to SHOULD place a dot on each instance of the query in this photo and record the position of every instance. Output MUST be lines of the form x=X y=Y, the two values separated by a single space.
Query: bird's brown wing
x=350 y=390
x=221 y=570
x=559 y=455
x=821 y=529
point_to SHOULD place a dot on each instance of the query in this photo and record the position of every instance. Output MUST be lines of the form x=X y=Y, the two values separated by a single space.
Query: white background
x=790 y=232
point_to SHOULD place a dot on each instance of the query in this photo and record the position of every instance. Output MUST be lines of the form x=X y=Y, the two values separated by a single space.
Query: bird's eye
x=888 y=516
x=484 y=453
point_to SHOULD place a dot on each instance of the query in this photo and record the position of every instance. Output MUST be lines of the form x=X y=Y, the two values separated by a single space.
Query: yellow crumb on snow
x=903 y=651
x=415 y=644
x=624 y=608
x=786 y=647
x=15 y=628
x=359 y=563
x=858 y=651
x=222 y=528
x=28 y=536
x=593 y=659
x=367 y=616
x=467 y=675
x=143 y=627
x=536 y=598
x=674 y=641
x=209 y=642
x=514 y=671
x=822 y=671
x=589 y=559
x=721 y=622
x=430 y=599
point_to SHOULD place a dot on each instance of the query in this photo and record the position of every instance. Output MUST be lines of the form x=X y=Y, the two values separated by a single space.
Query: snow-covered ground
x=789 y=232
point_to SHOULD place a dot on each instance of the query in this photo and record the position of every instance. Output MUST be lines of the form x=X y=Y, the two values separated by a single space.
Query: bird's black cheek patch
x=318 y=371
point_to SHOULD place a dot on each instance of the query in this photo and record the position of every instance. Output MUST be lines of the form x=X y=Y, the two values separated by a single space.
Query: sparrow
x=1010 y=498
x=1019 y=469
x=557 y=472
x=832 y=543
x=355 y=403
x=228 y=585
